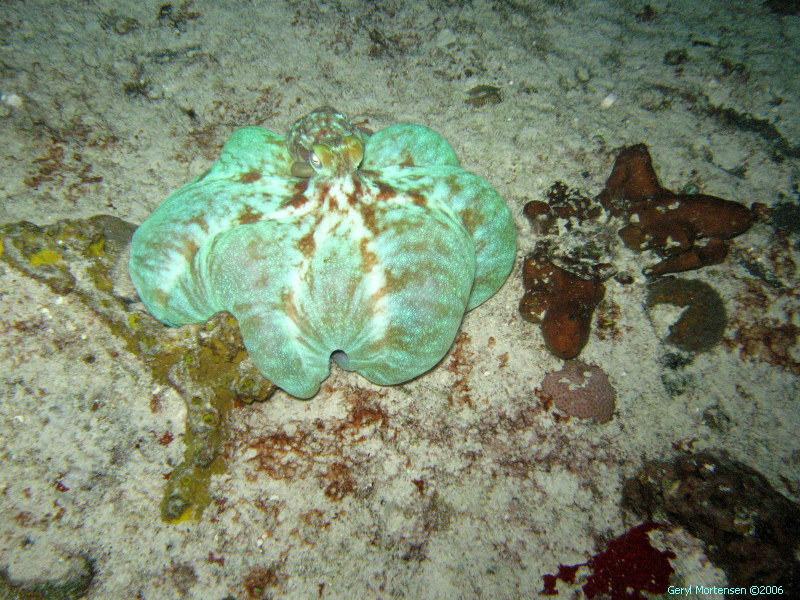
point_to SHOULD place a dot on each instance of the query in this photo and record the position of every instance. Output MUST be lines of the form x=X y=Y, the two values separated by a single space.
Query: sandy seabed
x=461 y=483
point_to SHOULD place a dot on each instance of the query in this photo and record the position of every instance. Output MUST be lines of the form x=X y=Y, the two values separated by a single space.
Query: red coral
x=666 y=222
x=628 y=566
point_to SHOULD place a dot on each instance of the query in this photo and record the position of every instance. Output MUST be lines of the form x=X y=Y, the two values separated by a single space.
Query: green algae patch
x=206 y=363
x=186 y=494
x=45 y=257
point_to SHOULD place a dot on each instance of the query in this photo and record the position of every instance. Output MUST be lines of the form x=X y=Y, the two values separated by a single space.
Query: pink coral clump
x=581 y=390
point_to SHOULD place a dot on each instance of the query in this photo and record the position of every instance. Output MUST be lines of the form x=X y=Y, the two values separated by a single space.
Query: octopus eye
x=315 y=161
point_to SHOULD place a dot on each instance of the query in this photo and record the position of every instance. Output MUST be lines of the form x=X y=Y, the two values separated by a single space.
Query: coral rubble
x=687 y=231
x=562 y=202
x=563 y=275
x=581 y=390
x=752 y=531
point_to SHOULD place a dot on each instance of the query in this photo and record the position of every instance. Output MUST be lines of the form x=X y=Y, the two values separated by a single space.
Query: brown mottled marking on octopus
x=290 y=306
x=188 y=249
x=385 y=193
x=298 y=201
x=394 y=335
x=418 y=200
x=471 y=219
x=408 y=161
x=368 y=214
x=251 y=176
x=248 y=215
x=160 y=297
x=245 y=308
x=299 y=198
x=378 y=295
x=255 y=251
x=200 y=221
x=306 y=244
x=333 y=203
x=415 y=278
x=358 y=192
x=456 y=188
x=368 y=257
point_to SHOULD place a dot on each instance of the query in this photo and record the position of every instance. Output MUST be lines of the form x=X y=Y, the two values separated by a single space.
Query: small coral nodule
x=581 y=390
x=702 y=325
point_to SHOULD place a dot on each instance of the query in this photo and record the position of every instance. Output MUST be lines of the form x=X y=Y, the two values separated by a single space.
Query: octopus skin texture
x=329 y=244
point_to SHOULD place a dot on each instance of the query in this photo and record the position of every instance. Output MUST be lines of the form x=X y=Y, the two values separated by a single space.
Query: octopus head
x=337 y=158
x=325 y=143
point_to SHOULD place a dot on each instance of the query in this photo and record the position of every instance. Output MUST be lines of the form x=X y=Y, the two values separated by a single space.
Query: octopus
x=329 y=245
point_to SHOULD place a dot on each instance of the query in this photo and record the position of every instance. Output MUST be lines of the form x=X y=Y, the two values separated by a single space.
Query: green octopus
x=329 y=244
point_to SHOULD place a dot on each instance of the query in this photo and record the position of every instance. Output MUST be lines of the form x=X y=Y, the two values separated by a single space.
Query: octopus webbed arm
x=477 y=206
x=393 y=306
x=251 y=271
x=252 y=152
x=426 y=262
x=407 y=145
x=488 y=220
x=240 y=188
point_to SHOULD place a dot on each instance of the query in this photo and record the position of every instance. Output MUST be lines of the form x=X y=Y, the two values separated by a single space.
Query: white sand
x=505 y=491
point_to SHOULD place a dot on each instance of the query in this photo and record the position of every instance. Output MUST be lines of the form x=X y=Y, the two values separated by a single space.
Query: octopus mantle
x=329 y=243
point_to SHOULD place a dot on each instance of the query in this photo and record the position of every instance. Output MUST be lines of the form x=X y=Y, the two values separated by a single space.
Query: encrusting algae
x=205 y=363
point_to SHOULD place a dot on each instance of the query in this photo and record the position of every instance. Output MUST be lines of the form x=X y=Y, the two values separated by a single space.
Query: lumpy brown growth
x=687 y=231
x=562 y=302
x=701 y=326
x=752 y=531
